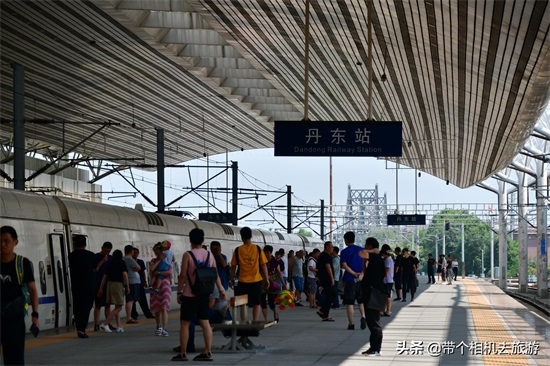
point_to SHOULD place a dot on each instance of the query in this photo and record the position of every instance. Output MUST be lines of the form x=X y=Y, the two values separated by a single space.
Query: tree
x=477 y=237
x=305 y=232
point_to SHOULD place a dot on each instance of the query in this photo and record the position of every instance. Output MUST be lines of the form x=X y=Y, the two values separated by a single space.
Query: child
x=164 y=265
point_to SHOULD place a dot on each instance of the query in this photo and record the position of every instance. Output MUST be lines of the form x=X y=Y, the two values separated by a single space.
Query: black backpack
x=205 y=277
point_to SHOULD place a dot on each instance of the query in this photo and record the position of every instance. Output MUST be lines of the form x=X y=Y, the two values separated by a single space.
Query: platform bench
x=242 y=329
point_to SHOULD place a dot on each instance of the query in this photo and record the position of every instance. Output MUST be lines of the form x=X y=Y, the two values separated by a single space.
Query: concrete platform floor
x=470 y=322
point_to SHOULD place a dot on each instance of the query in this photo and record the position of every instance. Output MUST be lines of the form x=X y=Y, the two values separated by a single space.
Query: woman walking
x=117 y=277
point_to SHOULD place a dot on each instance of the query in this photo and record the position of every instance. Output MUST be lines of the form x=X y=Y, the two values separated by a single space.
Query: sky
x=308 y=176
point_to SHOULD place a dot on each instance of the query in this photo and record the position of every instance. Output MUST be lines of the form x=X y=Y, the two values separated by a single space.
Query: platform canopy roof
x=467 y=78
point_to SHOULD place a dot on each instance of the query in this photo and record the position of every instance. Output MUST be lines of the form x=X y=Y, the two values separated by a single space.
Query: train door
x=57 y=251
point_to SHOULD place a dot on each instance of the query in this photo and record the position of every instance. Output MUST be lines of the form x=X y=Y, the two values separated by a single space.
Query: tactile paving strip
x=497 y=345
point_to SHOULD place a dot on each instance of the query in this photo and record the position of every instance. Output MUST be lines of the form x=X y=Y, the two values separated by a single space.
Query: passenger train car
x=46 y=224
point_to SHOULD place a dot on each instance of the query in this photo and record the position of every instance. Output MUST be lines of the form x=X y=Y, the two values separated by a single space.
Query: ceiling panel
x=467 y=78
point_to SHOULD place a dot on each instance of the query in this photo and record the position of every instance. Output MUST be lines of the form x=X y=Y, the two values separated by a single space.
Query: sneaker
x=111 y=327
x=105 y=328
x=96 y=328
x=386 y=314
x=164 y=333
x=177 y=349
x=397 y=299
x=299 y=304
x=180 y=357
x=404 y=300
x=120 y=330
x=370 y=352
x=351 y=326
x=158 y=331
x=363 y=323
x=203 y=357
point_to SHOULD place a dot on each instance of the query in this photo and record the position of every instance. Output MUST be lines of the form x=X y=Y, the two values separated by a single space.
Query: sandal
x=132 y=321
x=321 y=315
x=328 y=320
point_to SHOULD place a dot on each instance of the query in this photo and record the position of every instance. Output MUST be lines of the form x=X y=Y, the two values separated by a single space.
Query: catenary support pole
x=235 y=186
x=160 y=170
x=322 y=219
x=289 y=209
x=19 y=126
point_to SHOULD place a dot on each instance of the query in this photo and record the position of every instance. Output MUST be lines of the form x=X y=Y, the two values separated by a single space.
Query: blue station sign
x=301 y=138
x=406 y=220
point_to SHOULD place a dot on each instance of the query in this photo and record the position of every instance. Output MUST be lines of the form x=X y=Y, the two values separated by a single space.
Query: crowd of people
x=119 y=280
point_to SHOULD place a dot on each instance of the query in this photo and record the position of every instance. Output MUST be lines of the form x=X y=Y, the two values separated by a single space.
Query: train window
x=227 y=229
x=60 y=276
x=281 y=237
x=42 y=275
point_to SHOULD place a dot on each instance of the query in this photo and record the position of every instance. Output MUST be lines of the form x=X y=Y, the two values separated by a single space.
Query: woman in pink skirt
x=160 y=300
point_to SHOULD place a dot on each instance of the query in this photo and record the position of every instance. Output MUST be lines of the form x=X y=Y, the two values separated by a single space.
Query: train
x=47 y=224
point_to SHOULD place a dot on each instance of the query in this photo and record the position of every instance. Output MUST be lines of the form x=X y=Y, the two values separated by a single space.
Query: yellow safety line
x=44 y=341
x=489 y=328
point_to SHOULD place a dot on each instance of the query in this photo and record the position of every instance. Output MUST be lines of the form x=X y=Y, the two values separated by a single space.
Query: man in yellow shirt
x=250 y=259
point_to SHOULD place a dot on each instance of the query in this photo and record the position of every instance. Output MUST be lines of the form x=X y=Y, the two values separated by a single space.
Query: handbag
x=377 y=300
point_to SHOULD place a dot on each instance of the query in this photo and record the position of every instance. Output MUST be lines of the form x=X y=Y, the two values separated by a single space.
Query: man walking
x=431 y=267
x=352 y=263
x=374 y=278
x=193 y=305
x=133 y=280
x=297 y=274
x=250 y=259
x=82 y=264
x=102 y=259
x=325 y=274
x=142 y=286
x=398 y=268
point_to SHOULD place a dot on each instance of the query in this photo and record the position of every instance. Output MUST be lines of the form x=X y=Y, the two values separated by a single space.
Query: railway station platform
x=470 y=322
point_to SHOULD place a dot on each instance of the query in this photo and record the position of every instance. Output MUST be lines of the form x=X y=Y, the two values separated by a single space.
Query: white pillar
x=463 y=263
x=542 y=224
x=492 y=252
x=502 y=235
x=522 y=232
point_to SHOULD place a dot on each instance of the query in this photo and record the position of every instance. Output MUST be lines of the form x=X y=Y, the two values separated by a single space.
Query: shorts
x=387 y=288
x=439 y=270
x=352 y=293
x=397 y=280
x=134 y=293
x=198 y=305
x=312 y=283
x=115 y=293
x=298 y=283
x=252 y=289
x=100 y=301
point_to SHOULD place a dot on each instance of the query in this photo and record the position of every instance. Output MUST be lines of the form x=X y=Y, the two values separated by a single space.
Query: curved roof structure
x=468 y=78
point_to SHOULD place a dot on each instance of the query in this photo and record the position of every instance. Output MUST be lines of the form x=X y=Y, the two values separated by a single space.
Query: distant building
x=68 y=182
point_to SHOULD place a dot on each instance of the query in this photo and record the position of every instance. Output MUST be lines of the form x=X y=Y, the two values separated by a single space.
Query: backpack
x=20 y=279
x=205 y=277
